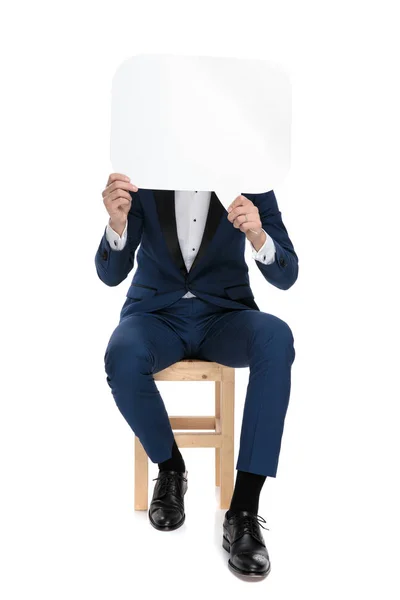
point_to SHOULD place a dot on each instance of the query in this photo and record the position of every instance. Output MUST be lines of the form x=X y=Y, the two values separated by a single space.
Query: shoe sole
x=167 y=528
x=246 y=574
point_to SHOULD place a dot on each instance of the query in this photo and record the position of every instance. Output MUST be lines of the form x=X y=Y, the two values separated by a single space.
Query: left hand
x=245 y=216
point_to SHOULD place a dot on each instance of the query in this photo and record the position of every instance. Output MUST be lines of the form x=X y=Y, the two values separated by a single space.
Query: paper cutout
x=201 y=123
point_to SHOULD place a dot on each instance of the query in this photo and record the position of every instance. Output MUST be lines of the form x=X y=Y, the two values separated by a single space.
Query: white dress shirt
x=191 y=209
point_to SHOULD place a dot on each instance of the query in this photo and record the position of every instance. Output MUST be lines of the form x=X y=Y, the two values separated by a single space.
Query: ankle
x=246 y=494
x=175 y=462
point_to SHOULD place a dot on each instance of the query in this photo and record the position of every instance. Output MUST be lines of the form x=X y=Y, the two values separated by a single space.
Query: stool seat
x=216 y=431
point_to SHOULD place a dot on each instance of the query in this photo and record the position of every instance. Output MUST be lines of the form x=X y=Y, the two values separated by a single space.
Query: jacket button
x=282 y=262
x=104 y=256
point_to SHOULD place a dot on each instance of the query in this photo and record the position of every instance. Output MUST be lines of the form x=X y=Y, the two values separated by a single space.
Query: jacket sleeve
x=113 y=266
x=283 y=272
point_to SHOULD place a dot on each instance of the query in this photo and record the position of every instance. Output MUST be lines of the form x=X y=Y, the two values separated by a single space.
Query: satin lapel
x=215 y=212
x=165 y=203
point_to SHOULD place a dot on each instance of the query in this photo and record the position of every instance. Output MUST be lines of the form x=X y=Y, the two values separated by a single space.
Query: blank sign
x=201 y=123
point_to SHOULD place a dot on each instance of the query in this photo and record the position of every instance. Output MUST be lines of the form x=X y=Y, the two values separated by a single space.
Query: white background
x=68 y=526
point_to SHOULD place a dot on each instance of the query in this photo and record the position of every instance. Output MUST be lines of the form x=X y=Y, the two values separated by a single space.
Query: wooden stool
x=221 y=436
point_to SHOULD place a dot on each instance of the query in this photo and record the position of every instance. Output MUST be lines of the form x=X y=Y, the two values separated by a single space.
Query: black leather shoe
x=167 y=510
x=242 y=537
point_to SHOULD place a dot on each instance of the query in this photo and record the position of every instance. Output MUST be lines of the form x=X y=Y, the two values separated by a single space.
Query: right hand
x=117 y=200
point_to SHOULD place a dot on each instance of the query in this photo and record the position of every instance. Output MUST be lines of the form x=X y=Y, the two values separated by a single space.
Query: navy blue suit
x=223 y=323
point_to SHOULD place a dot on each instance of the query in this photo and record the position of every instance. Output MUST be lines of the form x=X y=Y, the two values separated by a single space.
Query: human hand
x=244 y=215
x=117 y=200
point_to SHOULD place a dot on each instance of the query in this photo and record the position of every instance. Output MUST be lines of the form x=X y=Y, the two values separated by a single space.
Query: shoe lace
x=169 y=482
x=249 y=524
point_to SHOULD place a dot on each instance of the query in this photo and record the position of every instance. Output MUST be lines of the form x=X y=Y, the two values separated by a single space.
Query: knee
x=126 y=357
x=277 y=336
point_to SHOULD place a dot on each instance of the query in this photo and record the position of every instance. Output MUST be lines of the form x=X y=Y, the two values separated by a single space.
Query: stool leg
x=141 y=476
x=227 y=426
x=217 y=416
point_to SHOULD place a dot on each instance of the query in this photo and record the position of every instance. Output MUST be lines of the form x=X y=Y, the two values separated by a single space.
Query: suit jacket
x=219 y=273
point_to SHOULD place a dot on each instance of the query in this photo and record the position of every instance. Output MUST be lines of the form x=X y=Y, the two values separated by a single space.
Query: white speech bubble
x=201 y=123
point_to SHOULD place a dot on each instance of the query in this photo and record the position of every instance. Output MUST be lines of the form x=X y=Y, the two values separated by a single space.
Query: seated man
x=190 y=298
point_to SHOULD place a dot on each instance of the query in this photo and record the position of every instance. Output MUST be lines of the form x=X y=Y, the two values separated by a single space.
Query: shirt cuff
x=116 y=242
x=266 y=254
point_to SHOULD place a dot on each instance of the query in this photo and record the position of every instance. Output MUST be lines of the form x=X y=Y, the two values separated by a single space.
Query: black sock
x=175 y=463
x=246 y=494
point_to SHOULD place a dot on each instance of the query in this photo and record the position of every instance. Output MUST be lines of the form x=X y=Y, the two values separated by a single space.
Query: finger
x=118 y=194
x=238 y=221
x=238 y=201
x=119 y=203
x=242 y=222
x=115 y=176
x=123 y=185
x=126 y=185
x=254 y=226
x=245 y=209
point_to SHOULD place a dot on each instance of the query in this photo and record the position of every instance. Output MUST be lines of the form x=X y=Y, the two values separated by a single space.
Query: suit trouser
x=144 y=343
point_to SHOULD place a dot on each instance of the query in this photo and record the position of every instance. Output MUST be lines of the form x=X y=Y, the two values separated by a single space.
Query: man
x=190 y=298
